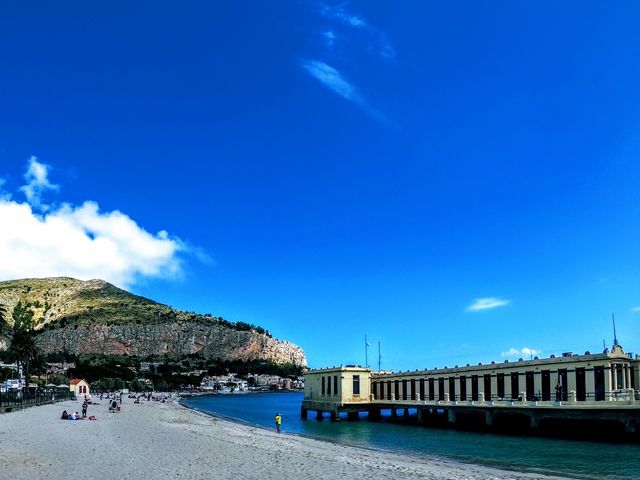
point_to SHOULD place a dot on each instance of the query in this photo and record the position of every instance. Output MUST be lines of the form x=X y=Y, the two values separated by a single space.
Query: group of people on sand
x=76 y=415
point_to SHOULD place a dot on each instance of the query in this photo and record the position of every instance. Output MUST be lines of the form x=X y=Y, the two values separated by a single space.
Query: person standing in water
x=278 y=422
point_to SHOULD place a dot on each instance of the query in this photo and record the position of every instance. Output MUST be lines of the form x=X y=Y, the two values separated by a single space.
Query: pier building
x=588 y=392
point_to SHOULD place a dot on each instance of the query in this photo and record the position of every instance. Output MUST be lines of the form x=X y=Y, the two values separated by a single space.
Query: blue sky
x=458 y=180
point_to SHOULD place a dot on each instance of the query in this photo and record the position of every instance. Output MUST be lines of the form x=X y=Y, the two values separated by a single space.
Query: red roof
x=76 y=381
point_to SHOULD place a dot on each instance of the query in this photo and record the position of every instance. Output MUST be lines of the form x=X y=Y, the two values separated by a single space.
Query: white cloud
x=84 y=243
x=79 y=241
x=37 y=177
x=636 y=309
x=487 y=303
x=525 y=353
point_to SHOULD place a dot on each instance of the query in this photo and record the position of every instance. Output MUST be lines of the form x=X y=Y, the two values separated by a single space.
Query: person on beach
x=278 y=422
x=84 y=409
x=65 y=415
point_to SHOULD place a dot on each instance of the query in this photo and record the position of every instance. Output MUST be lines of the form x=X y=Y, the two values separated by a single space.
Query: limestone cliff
x=95 y=317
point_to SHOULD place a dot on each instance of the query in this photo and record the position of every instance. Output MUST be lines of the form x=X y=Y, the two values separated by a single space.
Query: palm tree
x=24 y=346
x=25 y=350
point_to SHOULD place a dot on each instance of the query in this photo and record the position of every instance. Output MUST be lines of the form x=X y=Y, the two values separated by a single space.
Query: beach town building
x=59 y=367
x=79 y=387
x=598 y=387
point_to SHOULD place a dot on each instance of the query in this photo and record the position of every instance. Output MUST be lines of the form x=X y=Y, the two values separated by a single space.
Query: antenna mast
x=615 y=338
x=379 y=356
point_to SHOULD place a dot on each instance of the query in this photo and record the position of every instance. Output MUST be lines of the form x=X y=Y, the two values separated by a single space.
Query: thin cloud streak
x=487 y=303
x=636 y=309
x=334 y=81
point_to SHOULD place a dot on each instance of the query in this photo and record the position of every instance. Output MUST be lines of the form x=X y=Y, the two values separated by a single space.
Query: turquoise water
x=572 y=458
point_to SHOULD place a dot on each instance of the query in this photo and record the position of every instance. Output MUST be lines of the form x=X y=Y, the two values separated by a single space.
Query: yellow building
x=595 y=390
x=337 y=388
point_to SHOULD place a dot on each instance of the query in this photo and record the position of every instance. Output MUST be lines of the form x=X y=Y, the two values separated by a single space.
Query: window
x=323 y=388
x=328 y=385
x=501 y=385
x=515 y=385
x=356 y=384
x=335 y=385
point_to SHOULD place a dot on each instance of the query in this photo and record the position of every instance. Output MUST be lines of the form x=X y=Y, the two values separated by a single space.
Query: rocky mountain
x=95 y=317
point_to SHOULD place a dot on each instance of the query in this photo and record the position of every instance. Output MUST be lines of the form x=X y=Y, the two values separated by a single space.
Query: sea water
x=571 y=458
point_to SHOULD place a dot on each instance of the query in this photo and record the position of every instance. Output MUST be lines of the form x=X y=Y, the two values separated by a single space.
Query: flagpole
x=366 y=351
x=379 y=356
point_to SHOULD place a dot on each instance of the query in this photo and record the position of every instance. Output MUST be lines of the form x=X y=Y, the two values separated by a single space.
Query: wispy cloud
x=37 y=177
x=3 y=194
x=329 y=38
x=525 y=352
x=636 y=309
x=340 y=13
x=376 y=39
x=487 y=303
x=331 y=78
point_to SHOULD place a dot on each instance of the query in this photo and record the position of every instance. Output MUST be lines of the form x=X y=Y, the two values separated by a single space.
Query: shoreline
x=426 y=458
x=174 y=441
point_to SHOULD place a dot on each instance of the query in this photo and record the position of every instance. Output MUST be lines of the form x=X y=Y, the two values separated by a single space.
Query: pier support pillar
x=319 y=415
x=394 y=412
x=420 y=413
x=451 y=416
x=335 y=416
x=488 y=418
x=405 y=413
x=534 y=421
x=352 y=416
x=303 y=413
x=374 y=414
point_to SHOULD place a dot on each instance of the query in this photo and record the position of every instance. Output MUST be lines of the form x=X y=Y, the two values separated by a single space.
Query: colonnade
x=590 y=383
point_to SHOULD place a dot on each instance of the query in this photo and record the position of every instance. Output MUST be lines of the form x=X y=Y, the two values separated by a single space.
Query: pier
x=591 y=395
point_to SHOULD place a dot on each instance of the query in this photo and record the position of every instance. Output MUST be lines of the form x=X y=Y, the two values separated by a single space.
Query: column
x=446 y=388
x=522 y=384
x=571 y=380
x=608 y=386
x=537 y=384
x=628 y=375
x=590 y=380
x=507 y=386
x=494 y=387
x=469 y=390
x=553 y=381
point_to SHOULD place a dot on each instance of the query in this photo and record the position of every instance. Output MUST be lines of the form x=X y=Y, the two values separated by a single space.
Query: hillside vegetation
x=95 y=317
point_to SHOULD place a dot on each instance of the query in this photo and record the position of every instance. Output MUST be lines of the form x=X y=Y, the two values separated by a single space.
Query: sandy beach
x=156 y=440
